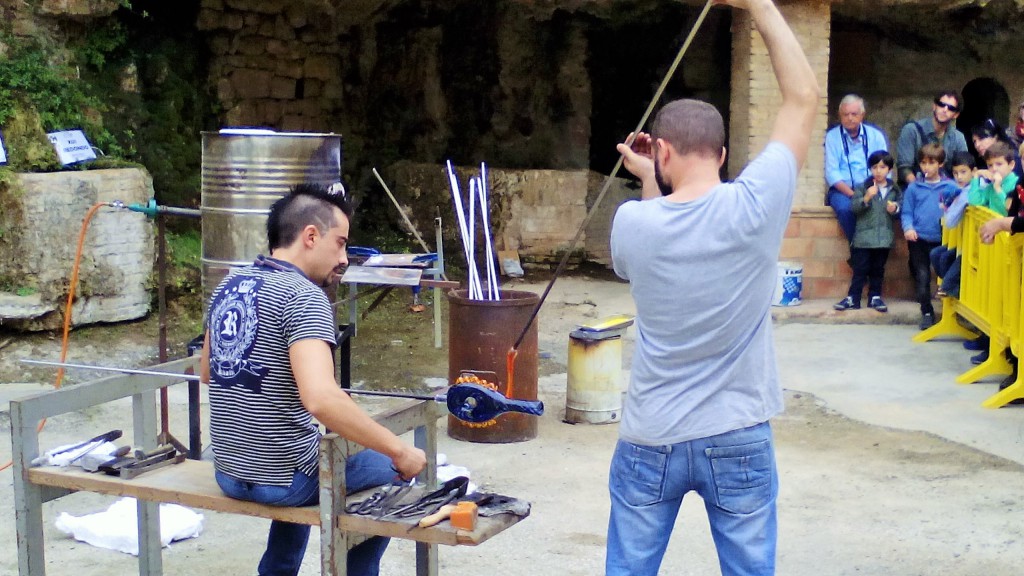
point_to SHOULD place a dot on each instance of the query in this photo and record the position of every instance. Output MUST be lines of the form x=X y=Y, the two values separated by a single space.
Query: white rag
x=116 y=528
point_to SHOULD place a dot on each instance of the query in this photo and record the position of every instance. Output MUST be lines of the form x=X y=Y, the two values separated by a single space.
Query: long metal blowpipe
x=510 y=358
x=607 y=183
x=467 y=402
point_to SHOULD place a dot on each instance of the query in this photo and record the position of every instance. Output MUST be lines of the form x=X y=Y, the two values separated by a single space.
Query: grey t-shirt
x=702 y=274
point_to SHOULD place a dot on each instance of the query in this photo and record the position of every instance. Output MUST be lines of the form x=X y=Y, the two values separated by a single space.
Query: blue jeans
x=840 y=203
x=946 y=263
x=286 y=543
x=733 y=472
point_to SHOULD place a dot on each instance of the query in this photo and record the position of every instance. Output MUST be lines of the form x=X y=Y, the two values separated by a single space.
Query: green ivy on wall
x=38 y=94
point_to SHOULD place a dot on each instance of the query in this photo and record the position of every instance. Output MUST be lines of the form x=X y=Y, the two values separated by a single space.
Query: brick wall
x=756 y=95
x=813 y=238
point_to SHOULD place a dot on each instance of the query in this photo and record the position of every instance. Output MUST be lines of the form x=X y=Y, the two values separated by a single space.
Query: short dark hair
x=963 y=159
x=691 y=127
x=305 y=204
x=881 y=156
x=953 y=94
x=932 y=151
x=1000 y=149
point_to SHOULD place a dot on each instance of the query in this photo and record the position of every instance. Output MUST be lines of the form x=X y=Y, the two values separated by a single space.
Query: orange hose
x=67 y=308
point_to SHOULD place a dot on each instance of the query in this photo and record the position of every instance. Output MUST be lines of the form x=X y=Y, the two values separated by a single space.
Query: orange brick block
x=817 y=268
x=820 y=228
x=792 y=228
x=799 y=249
x=831 y=248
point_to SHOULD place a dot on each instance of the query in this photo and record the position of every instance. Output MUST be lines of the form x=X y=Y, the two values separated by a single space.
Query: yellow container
x=594 y=394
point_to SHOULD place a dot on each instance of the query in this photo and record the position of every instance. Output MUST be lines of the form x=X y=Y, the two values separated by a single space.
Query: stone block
x=282 y=88
x=118 y=253
x=321 y=67
x=251 y=83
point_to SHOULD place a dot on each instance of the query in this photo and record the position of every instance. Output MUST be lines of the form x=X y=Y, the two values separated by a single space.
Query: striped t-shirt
x=260 y=431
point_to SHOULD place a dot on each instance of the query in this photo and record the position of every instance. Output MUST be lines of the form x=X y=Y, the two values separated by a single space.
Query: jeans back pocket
x=638 y=473
x=743 y=476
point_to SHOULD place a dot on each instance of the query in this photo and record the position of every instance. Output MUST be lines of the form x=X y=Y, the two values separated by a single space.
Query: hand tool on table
x=382 y=500
x=467 y=402
x=96 y=441
x=461 y=515
x=130 y=466
x=431 y=502
x=92 y=462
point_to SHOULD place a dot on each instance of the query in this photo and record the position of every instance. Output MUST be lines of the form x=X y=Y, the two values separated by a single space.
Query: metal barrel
x=480 y=335
x=243 y=174
x=593 y=394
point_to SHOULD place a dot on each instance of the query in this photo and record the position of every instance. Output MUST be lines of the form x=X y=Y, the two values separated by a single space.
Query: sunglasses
x=947 y=106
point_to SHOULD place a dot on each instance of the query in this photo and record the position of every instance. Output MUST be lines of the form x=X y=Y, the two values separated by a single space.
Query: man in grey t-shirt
x=700 y=257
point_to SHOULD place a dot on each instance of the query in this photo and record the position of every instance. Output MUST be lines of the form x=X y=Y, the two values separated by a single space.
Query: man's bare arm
x=313 y=369
x=800 y=91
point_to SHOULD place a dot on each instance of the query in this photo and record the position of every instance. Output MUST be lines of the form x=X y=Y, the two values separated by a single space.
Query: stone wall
x=536 y=212
x=275 y=64
x=44 y=212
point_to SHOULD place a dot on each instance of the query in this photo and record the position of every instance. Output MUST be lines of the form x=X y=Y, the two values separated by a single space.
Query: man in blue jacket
x=847 y=147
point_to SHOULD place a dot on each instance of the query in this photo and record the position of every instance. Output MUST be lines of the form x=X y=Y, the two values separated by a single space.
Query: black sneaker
x=979 y=358
x=927 y=321
x=846 y=304
x=878 y=304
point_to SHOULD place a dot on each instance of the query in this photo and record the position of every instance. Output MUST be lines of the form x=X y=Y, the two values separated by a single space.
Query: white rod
x=492 y=260
x=492 y=270
x=460 y=213
x=457 y=199
x=474 y=273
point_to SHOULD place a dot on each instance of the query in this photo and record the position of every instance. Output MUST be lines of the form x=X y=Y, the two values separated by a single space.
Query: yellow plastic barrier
x=988 y=281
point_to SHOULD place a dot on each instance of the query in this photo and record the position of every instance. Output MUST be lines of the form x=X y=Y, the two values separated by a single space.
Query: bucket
x=789 y=283
x=242 y=175
x=480 y=334
x=593 y=394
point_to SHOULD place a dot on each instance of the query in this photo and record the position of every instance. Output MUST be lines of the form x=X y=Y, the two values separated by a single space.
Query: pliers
x=378 y=503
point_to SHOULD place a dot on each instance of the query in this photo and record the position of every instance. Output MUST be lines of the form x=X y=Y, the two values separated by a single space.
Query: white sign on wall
x=72 y=146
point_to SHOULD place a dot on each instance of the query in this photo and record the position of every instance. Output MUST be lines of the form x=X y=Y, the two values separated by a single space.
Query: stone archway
x=983 y=98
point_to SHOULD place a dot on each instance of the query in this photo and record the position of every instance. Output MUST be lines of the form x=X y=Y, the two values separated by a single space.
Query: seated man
x=846 y=158
x=267 y=358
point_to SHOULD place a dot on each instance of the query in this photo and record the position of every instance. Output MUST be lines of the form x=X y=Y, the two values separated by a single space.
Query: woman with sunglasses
x=938 y=129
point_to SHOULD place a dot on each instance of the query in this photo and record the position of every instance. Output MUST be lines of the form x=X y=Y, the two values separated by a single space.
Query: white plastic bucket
x=789 y=283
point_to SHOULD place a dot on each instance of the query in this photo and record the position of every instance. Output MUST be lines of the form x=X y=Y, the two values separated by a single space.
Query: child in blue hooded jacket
x=921 y=216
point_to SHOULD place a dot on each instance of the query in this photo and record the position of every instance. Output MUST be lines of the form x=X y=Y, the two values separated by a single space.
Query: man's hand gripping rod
x=467 y=402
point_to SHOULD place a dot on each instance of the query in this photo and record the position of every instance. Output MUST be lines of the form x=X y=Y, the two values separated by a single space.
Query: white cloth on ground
x=116 y=528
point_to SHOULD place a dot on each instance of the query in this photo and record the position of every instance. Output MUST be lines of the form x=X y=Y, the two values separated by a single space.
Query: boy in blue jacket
x=921 y=218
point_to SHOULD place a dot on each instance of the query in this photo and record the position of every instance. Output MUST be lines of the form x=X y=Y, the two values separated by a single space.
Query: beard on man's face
x=663 y=186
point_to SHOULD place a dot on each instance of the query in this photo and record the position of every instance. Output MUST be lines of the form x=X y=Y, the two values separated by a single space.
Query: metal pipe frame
x=420 y=417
